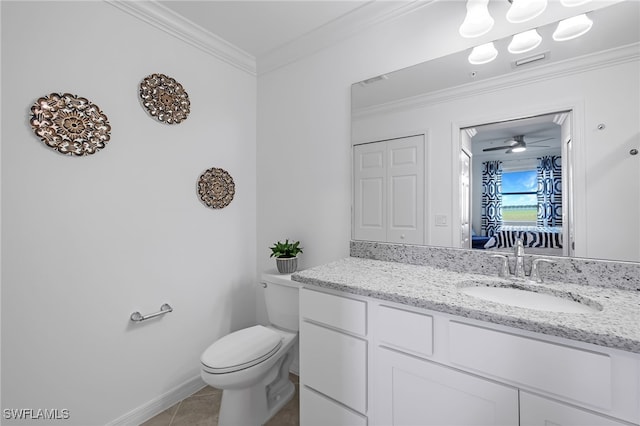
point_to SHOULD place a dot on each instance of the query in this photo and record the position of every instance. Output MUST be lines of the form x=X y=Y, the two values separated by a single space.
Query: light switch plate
x=441 y=220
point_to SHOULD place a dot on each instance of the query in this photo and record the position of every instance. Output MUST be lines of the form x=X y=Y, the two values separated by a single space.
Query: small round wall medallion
x=70 y=124
x=164 y=98
x=216 y=188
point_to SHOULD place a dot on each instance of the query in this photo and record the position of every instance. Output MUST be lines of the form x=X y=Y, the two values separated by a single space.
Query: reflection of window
x=519 y=197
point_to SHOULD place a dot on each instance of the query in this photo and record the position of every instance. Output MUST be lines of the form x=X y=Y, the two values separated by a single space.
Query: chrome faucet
x=504 y=267
x=518 y=252
x=518 y=272
x=535 y=269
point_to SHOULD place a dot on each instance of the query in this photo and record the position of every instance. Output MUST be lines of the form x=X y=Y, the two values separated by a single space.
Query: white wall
x=87 y=241
x=304 y=150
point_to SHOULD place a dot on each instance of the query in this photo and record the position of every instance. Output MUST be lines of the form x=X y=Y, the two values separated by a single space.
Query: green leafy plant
x=285 y=249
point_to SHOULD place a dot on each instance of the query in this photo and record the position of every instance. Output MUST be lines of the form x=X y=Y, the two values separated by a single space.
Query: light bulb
x=478 y=21
x=573 y=3
x=525 y=41
x=525 y=10
x=572 y=28
x=483 y=54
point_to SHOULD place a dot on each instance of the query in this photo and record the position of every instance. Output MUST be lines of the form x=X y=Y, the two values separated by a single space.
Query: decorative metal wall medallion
x=216 y=188
x=70 y=124
x=164 y=98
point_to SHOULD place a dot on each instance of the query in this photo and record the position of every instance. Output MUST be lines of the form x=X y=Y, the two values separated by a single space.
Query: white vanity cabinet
x=367 y=361
x=414 y=391
x=333 y=359
x=538 y=411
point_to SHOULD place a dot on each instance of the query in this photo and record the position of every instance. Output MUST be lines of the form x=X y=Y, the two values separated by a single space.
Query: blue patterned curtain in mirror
x=491 y=197
x=549 y=191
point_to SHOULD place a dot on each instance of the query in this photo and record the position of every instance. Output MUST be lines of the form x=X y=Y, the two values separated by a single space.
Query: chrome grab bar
x=164 y=309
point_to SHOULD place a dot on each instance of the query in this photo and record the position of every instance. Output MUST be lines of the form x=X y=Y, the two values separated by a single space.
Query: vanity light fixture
x=483 y=54
x=573 y=3
x=478 y=21
x=525 y=41
x=572 y=27
x=525 y=10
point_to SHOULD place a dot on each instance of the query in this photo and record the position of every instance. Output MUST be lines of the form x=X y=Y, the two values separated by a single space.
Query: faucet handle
x=535 y=269
x=504 y=267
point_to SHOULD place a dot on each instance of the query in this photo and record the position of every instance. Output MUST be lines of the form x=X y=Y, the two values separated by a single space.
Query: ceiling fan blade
x=496 y=148
x=541 y=140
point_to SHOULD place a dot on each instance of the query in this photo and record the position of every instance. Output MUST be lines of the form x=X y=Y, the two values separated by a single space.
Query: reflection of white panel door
x=369 y=192
x=389 y=191
x=405 y=160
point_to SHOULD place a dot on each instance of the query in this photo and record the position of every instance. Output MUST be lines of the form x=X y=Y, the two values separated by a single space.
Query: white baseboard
x=158 y=405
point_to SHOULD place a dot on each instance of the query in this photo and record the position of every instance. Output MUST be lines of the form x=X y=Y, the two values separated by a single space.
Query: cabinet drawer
x=334 y=364
x=316 y=410
x=335 y=311
x=405 y=330
x=538 y=411
x=573 y=373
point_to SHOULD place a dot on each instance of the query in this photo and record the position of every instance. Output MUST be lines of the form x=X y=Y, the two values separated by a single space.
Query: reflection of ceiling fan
x=517 y=144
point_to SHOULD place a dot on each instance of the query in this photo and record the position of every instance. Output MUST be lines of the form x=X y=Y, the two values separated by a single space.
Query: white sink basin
x=520 y=296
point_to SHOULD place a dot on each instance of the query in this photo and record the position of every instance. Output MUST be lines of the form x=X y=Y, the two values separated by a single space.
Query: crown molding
x=567 y=67
x=165 y=19
x=368 y=15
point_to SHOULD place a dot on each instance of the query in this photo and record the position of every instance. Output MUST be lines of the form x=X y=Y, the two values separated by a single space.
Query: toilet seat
x=241 y=349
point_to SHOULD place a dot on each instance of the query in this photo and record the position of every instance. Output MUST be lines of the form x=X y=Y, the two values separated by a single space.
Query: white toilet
x=251 y=365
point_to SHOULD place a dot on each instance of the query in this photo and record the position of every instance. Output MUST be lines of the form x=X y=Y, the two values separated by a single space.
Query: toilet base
x=256 y=405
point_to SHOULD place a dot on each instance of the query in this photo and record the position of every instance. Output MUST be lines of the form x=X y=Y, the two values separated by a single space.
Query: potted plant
x=286 y=256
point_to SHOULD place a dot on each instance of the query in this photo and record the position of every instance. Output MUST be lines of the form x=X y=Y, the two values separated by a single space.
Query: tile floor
x=201 y=409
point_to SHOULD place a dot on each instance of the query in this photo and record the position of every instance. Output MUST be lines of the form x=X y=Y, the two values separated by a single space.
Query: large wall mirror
x=436 y=158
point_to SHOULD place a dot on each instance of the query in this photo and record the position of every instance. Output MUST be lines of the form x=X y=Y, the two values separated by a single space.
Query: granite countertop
x=617 y=325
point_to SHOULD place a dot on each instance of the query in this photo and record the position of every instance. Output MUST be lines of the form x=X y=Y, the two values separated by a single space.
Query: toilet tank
x=281 y=299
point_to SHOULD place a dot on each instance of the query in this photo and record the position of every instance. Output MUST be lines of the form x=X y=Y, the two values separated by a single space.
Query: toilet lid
x=241 y=349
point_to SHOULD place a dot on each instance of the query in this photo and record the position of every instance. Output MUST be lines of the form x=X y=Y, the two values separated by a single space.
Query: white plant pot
x=287 y=265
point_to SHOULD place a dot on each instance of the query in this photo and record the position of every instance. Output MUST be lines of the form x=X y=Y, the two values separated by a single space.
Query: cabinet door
x=538 y=411
x=412 y=391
